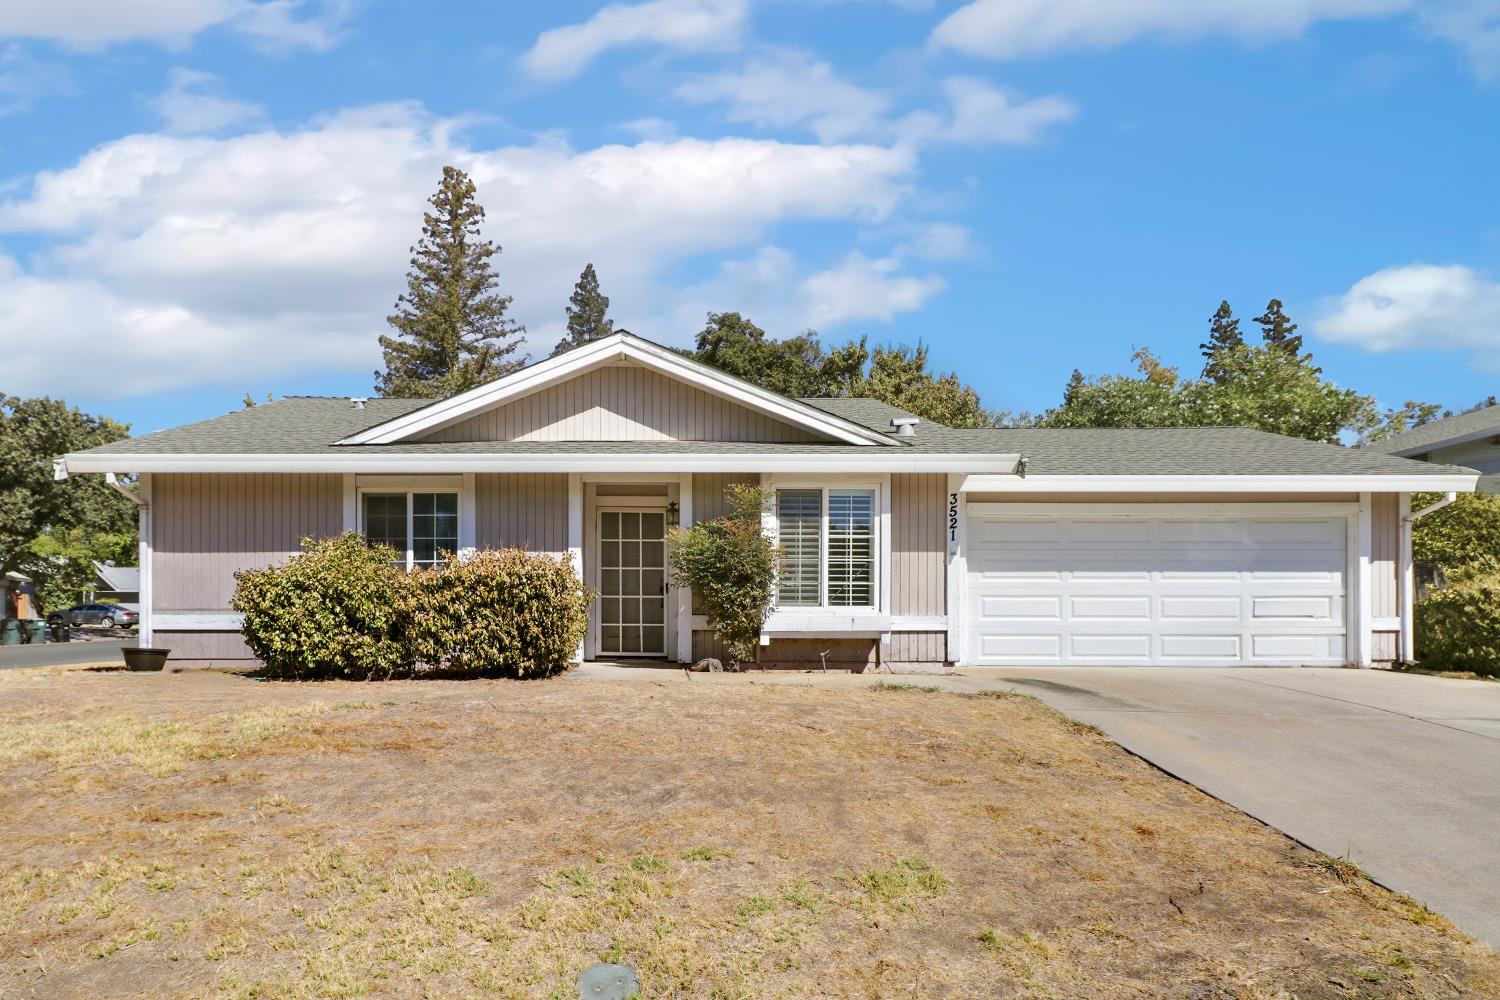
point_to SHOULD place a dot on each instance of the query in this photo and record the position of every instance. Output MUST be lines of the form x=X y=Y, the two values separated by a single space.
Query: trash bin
x=62 y=631
x=10 y=632
x=35 y=630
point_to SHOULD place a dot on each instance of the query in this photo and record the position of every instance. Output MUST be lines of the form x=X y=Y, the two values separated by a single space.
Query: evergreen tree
x=1278 y=330
x=451 y=330
x=1223 y=335
x=586 y=313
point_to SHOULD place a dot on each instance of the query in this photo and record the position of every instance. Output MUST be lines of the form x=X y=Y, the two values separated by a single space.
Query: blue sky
x=202 y=198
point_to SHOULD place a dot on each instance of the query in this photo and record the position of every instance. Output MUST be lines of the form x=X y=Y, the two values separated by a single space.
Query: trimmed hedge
x=336 y=610
x=500 y=613
x=344 y=609
x=1458 y=627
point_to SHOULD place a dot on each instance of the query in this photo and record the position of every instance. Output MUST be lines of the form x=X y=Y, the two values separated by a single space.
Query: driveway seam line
x=1373 y=708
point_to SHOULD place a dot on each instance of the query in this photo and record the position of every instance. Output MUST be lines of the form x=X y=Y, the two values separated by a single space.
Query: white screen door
x=632 y=583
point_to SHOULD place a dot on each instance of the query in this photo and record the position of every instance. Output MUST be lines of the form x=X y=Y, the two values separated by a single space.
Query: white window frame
x=879 y=549
x=378 y=486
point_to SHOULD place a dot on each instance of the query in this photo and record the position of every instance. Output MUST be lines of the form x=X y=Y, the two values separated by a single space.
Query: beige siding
x=521 y=510
x=622 y=403
x=917 y=648
x=1483 y=456
x=205 y=649
x=919 y=573
x=207 y=526
x=802 y=654
x=1383 y=646
x=708 y=492
x=1385 y=540
x=1162 y=497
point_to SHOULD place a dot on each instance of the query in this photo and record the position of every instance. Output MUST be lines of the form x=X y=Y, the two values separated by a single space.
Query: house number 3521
x=952 y=517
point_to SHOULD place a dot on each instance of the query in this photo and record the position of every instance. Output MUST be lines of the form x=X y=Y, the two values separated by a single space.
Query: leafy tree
x=733 y=344
x=731 y=567
x=1277 y=329
x=586 y=310
x=1223 y=335
x=899 y=376
x=49 y=528
x=69 y=555
x=249 y=403
x=451 y=330
x=1270 y=389
x=1463 y=536
x=1402 y=419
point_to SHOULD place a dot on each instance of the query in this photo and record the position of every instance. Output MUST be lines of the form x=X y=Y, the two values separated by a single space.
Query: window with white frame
x=420 y=526
x=827 y=538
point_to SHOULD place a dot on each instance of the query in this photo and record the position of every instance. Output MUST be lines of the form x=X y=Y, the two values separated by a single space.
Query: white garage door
x=1180 y=589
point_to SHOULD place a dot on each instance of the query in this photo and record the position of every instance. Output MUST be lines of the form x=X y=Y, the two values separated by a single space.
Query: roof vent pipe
x=358 y=401
x=905 y=426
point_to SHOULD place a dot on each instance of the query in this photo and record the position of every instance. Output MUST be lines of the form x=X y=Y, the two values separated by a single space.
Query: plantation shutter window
x=851 y=548
x=799 y=522
x=828 y=546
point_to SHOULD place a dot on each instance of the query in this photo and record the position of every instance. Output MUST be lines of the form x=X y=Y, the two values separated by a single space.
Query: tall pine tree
x=451 y=330
x=1223 y=336
x=586 y=310
x=1278 y=330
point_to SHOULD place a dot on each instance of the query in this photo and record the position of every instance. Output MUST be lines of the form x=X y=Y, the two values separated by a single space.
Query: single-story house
x=1469 y=439
x=115 y=585
x=907 y=545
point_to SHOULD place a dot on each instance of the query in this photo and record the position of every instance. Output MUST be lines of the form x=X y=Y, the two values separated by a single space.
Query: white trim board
x=611 y=350
x=871 y=460
x=1321 y=483
x=226 y=621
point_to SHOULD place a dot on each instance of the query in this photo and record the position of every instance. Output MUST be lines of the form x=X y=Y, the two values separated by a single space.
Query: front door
x=632 y=583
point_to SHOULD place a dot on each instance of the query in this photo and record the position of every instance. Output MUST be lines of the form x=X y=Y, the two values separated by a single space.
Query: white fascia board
x=618 y=347
x=1000 y=467
x=1220 y=484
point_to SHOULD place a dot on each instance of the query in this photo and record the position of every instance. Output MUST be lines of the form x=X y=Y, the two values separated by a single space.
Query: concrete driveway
x=1400 y=773
x=1397 y=772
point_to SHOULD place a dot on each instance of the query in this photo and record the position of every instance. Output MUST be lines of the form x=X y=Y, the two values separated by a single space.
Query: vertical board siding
x=918 y=647
x=1385 y=541
x=919 y=569
x=1383 y=646
x=622 y=403
x=706 y=644
x=207 y=526
x=843 y=654
x=203 y=648
x=522 y=511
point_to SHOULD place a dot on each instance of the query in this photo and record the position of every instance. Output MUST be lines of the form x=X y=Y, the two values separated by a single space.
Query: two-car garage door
x=1184 y=588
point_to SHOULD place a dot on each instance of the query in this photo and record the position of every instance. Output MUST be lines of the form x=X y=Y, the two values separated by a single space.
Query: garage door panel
x=1173 y=590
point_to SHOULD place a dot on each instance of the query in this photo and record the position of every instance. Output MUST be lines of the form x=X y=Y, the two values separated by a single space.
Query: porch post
x=1406 y=580
x=143 y=559
x=575 y=534
x=1363 y=607
x=685 y=594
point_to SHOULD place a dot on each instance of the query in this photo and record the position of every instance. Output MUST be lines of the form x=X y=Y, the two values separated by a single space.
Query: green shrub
x=1465 y=535
x=336 y=610
x=498 y=613
x=731 y=567
x=1458 y=627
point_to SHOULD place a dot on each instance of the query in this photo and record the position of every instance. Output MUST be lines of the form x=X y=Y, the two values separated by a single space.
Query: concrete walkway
x=1397 y=772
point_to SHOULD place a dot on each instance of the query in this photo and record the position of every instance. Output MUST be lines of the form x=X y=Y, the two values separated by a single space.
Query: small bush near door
x=1458 y=627
x=335 y=611
x=501 y=613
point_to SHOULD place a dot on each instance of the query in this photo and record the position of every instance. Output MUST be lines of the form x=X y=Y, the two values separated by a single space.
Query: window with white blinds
x=799 y=526
x=827 y=539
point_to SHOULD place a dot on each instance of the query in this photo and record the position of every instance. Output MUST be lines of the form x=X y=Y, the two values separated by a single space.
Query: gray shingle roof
x=310 y=425
x=1459 y=427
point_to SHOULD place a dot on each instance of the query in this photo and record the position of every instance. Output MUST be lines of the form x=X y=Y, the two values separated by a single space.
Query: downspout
x=1408 y=652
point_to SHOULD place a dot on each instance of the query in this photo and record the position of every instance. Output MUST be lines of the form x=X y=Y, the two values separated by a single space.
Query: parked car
x=107 y=615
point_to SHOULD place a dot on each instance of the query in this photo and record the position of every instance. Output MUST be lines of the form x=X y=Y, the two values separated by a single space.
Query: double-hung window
x=420 y=526
x=827 y=539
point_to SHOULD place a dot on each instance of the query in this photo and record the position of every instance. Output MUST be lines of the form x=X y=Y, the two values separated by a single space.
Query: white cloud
x=859 y=287
x=1010 y=28
x=1417 y=306
x=685 y=25
x=282 y=252
x=980 y=113
x=789 y=89
x=191 y=104
x=24 y=80
x=936 y=241
x=94 y=24
x=1473 y=26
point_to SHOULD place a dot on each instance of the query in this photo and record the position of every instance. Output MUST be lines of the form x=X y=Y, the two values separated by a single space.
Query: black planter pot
x=145 y=658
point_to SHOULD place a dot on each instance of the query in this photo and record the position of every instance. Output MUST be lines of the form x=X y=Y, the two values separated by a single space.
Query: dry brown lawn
x=204 y=835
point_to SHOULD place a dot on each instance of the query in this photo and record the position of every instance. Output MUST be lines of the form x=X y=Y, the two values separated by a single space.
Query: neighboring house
x=906 y=544
x=1469 y=439
x=116 y=585
x=17 y=597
